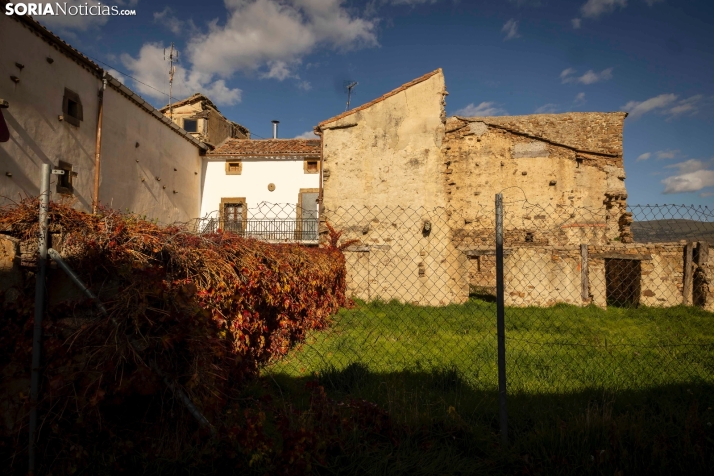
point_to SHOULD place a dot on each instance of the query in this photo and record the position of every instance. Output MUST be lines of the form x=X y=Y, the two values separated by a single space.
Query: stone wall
x=381 y=163
x=547 y=167
x=547 y=275
x=399 y=151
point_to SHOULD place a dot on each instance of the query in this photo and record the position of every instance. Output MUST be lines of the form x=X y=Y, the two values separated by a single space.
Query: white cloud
x=668 y=154
x=307 y=135
x=590 y=77
x=690 y=166
x=172 y=23
x=265 y=36
x=150 y=68
x=692 y=175
x=636 y=109
x=68 y=23
x=579 y=99
x=566 y=73
x=652 y=2
x=706 y=194
x=304 y=85
x=644 y=156
x=279 y=70
x=271 y=33
x=576 y=22
x=510 y=28
x=689 y=105
x=668 y=105
x=689 y=182
x=483 y=109
x=547 y=109
x=116 y=74
x=595 y=8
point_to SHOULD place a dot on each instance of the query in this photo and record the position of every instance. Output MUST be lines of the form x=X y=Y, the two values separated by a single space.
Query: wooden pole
x=584 y=277
x=688 y=275
x=703 y=275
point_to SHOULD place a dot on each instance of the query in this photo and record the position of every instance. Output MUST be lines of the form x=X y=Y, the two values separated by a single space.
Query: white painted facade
x=287 y=175
x=139 y=145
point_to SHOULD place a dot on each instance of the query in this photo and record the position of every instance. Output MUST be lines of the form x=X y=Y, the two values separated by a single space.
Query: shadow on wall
x=32 y=153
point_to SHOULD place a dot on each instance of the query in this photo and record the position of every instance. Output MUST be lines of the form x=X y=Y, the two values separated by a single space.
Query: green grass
x=561 y=348
x=591 y=391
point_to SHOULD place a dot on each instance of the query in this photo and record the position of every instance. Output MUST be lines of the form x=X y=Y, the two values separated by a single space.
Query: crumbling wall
x=546 y=275
x=547 y=166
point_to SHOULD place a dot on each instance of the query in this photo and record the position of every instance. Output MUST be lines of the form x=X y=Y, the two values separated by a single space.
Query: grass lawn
x=591 y=391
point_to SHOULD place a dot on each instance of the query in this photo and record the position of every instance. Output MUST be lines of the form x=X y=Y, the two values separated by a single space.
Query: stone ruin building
x=417 y=190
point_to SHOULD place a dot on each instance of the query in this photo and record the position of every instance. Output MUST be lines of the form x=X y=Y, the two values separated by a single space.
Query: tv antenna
x=349 y=85
x=173 y=58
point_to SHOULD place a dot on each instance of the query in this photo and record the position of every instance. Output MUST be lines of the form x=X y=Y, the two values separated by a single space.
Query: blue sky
x=288 y=59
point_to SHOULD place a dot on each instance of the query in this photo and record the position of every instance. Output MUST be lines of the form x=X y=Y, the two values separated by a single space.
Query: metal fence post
x=39 y=310
x=500 y=322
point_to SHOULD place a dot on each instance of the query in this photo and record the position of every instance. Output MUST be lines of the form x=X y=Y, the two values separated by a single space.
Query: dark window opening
x=190 y=125
x=64 y=181
x=622 y=282
x=234 y=166
x=312 y=166
x=72 y=107
x=529 y=237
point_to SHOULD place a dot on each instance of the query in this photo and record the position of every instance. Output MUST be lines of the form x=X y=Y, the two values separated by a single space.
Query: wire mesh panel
x=600 y=301
x=409 y=274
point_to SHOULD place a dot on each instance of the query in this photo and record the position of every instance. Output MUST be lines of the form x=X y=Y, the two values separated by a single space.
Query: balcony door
x=307 y=214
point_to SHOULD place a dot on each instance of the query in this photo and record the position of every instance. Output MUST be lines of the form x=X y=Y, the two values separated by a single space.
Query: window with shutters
x=311 y=166
x=233 y=214
x=72 y=107
x=234 y=167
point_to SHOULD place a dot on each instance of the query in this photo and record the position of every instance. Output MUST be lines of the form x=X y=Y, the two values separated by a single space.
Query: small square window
x=311 y=166
x=64 y=181
x=234 y=167
x=190 y=125
x=72 y=107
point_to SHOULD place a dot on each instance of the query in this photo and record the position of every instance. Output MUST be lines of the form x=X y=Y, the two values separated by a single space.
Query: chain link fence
x=593 y=299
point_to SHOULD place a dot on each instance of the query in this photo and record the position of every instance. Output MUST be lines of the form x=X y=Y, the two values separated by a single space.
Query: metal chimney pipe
x=275 y=129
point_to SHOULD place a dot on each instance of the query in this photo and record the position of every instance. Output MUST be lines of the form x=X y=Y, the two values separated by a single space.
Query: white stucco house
x=264 y=188
x=63 y=109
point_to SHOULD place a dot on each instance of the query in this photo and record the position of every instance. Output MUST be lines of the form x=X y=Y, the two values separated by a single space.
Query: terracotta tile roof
x=268 y=147
x=380 y=98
